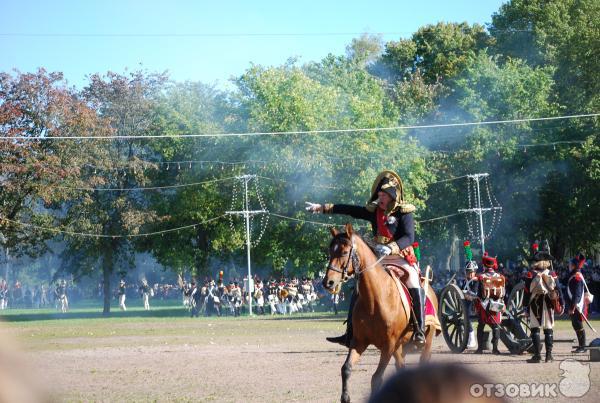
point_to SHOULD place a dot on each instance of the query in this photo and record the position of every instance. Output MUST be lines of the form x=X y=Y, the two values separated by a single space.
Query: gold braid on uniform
x=327 y=208
x=406 y=208
x=395 y=248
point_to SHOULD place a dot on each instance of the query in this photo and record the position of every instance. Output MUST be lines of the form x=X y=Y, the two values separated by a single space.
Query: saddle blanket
x=431 y=318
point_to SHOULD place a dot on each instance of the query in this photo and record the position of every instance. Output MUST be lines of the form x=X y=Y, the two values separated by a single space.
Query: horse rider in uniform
x=489 y=301
x=578 y=307
x=393 y=225
x=542 y=298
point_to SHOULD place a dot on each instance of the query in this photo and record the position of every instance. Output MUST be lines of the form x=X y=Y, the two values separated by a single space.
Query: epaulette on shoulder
x=406 y=208
x=553 y=274
x=529 y=274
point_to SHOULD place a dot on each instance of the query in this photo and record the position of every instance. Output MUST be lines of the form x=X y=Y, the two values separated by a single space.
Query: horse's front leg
x=353 y=355
x=384 y=360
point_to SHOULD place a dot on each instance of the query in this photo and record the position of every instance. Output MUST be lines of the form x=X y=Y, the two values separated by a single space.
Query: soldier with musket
x=577 y=301
x=272 y=296
x=542 y=298
x=393 y=225
x=487 y=291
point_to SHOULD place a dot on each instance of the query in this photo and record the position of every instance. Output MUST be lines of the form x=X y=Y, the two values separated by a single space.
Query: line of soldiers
x=218 y=298
x=542 y=299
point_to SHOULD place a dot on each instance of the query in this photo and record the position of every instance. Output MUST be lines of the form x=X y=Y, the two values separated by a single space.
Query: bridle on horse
x=352 y=256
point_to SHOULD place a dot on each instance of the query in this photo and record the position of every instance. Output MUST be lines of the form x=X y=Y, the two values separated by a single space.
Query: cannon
x=453 y=316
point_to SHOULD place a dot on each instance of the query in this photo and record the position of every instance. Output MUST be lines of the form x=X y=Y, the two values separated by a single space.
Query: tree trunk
x=201 y=258
x=107 y=268
x=6 y=264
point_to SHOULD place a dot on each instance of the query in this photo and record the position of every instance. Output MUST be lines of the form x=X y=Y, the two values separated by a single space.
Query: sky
x=208 y=41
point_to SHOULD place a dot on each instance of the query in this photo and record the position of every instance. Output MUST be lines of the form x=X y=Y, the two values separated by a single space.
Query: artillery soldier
x=235 y=293
x=146 y=291
x=122 y=296
x=542 y=298
x=469 y=287
x=392 y=221
x=212 y=300
x=272 y=297
x=259 y=296
x=491 y=287
x=61 y=296
x=578 y=306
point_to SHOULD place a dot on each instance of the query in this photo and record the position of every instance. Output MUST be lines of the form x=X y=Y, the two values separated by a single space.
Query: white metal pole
x=247 y=214
x=477 y=177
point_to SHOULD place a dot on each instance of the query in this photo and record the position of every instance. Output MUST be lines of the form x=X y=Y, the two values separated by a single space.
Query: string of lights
x=325 y=224
x=114 y=236
x=147 y=188
x=303 y=132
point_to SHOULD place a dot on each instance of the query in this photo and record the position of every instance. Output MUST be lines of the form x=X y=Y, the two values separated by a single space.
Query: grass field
x=163 y=355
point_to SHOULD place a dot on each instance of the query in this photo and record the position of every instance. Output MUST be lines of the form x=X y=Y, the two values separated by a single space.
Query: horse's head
x=343 y=260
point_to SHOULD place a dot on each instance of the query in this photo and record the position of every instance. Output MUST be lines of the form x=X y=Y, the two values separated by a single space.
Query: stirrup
x=419 y=339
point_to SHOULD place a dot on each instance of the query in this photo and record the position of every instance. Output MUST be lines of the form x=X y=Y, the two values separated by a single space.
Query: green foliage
x=537 y=60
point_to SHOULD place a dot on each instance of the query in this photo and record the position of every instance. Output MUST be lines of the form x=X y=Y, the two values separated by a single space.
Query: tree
x=334 y=93
x=439 y=51
x=192 y=108
x=559 y=33
x=490 y=90
x=126 y=104
x=36 y=172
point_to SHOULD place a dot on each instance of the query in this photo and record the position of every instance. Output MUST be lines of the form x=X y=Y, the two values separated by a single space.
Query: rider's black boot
x=345 y=339
x=418 y=299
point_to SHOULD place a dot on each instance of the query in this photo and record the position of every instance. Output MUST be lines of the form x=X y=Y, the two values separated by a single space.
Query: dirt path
x=231 y=360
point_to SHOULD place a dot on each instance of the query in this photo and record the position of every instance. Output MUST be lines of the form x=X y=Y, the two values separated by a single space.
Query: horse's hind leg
x=384 y=360
x=353 y=355
x=426 y=353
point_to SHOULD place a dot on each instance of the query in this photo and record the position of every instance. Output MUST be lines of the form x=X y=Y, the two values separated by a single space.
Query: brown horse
x=379 y=317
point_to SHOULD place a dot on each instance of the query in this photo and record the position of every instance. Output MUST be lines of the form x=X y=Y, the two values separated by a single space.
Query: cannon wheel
x=453 y=316
x=516 y=331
